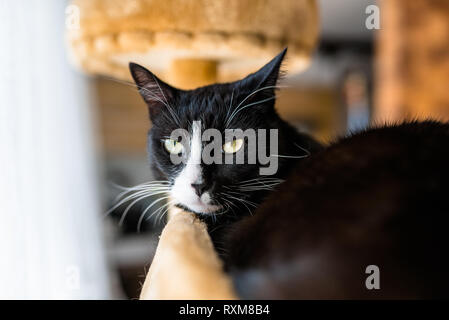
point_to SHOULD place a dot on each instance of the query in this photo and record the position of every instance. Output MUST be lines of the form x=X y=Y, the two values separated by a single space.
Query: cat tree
x=190 y=44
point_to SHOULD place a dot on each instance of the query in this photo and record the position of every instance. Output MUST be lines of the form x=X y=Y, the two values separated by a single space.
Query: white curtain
x=50 y=221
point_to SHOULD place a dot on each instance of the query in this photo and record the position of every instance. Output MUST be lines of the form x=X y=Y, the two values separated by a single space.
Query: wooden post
x=186 y=265
x=192 y=73
x=412 y=79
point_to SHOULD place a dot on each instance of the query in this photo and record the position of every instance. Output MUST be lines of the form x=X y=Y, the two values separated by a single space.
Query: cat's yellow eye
x=233 y=146
x=172 y=146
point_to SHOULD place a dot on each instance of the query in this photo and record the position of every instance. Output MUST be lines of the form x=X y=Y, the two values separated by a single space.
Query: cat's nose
x=199 y=188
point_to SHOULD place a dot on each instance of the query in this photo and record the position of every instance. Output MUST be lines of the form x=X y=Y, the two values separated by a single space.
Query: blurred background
x=73 y=128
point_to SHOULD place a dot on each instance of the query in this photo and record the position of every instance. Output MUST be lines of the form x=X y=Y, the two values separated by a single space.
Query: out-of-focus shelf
x=133 y=250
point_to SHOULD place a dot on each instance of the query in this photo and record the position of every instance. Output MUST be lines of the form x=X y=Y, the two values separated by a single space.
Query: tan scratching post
x=186 y=265
x=185 y=41
x=192 y=73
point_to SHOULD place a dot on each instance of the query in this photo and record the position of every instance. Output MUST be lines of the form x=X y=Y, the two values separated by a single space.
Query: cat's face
x=196 y=184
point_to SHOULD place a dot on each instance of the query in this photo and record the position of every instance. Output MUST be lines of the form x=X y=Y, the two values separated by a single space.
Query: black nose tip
x=199 y=188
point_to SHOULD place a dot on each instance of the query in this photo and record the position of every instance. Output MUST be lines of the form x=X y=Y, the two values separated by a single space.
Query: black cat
x=377 y=198
x=219 y=193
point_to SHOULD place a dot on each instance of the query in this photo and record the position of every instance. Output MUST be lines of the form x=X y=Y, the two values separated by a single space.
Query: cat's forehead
x=214 y=106
x=213 y=94
x=210 y=105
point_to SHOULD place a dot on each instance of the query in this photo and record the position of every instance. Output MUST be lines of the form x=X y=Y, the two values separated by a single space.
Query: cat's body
x=380 y=197
x=377 y=198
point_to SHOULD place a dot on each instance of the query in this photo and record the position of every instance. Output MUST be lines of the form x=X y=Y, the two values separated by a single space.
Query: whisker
x=161 y=215
x=152 y=95
x=303 y=149
x=139 y=190
x=260 y=179
x=249 y=105
x=168 y=106
x=128 y=198
x=256 y=187
x=132 y=196
x=230 y=203
x=258 y=183
x=241 y=201
x=288 y=156
x=246 y=98
x=151 y=185
x=230 y=104
x=142 y=216
x=159 y=211
x=134 y=202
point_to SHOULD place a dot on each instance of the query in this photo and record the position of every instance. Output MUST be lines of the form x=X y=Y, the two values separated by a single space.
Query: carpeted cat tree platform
x=190 y=43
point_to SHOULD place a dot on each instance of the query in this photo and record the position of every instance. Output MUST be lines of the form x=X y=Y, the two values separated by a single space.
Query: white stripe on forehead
x=191 y=173
x=195 y=144
x=182 y=190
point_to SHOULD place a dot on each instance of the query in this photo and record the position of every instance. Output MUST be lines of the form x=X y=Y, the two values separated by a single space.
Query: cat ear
x=156 y=93
x=268 y=75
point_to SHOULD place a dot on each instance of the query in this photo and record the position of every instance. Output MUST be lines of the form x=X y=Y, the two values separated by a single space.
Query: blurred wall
x=412 y=60
x=50 y=231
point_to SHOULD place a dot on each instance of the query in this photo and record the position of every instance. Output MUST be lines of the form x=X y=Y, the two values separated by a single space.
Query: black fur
x=378 y=197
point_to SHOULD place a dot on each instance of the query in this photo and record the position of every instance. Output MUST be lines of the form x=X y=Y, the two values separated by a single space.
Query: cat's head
x=196 y=184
